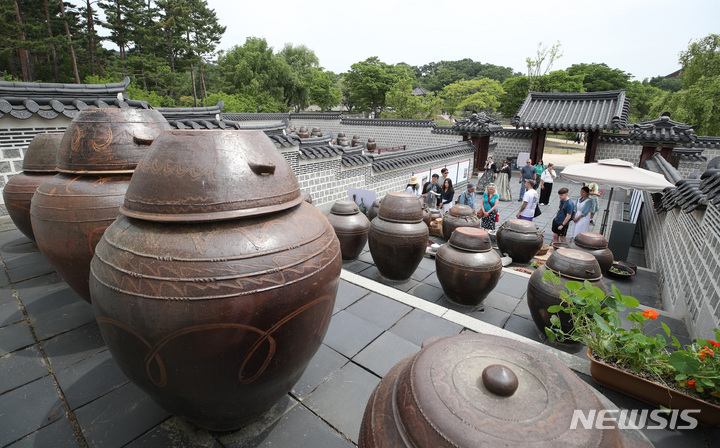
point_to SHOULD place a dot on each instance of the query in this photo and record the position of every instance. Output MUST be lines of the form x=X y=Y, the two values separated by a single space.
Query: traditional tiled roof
x=663 y=130
x=316 y=141
x=443 y=130
x=388 y=122
x=587 y=111
x=710 y=185
x=253 y=117
x=400 y=159
x=477 y=124
x=350 y=160
x=420 y=91
x=22 y=100
x=285 y=141
x=514 y=133
x=185 y=113
x=317 y=115
x=688 y=194
x=320 y=151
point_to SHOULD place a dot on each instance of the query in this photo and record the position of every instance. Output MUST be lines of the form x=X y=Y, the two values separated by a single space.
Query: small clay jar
x=374 y=208
x=351 y=228
x=459 y=216
x=398 y=237
x=520 y=239
x=371 y=144
x=467 y=267
x=596 y=245
x=303 y=132
x=568 y=264
x=316 y=132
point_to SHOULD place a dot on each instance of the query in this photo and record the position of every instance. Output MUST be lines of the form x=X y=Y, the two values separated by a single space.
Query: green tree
x=600 y=77
x=542 y=63
x=302 y=62
x=369 y=81
x=323 y=89
x=642 y=97
x=477 y=94
x=516 y=89
x=701 y=60
x=663 y=83
x=402 y=103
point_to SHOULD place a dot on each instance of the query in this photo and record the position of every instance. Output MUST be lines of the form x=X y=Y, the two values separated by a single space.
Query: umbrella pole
x=607 y=212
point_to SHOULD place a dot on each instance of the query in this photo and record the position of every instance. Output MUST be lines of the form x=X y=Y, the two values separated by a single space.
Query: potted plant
x=657 y=369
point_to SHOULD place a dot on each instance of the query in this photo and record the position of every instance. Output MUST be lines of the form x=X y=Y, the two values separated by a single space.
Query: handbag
x=538 y=212
x=497 y=216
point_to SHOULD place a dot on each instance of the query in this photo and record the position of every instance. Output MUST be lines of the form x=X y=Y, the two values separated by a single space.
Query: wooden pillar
x=481 y=151
x=537 y=145
x=592 y=141
x=646 y=153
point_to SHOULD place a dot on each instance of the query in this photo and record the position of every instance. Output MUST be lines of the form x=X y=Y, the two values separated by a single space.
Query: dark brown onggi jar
x=475 y=390
x=398 y=236
x=351 y=228
x=467 y=267
x=96 y=158
x=596 y=245
x=458 y=216
x=520 y=239
x=568 y=264
x=38 y=166
x=374 y=208
x=215 y=288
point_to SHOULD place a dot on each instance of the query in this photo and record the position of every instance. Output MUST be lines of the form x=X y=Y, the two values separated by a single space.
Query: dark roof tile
x=477 y=124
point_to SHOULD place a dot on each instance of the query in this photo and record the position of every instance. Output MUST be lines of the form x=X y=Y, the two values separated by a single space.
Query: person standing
x=503 y=182
x=582 y=216
x=488 y=176
x=562 y=219
x=526 y=173
x=489 y=207
x=546 y=184
x=468 y=197
x=447 y=195
x=594 y=195
x=431 y=191
x=413 y=187
x=530 y=200
x=539 y=168
x=441 y=183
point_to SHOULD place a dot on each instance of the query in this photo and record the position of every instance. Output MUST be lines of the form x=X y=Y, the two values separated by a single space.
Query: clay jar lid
x=468 y=388
x=461 y=210
x=574 y=263
x=519 y=225
x=41 y=155
x=470 y=239
x=195 y=176
x=400 y=207
x=591 y=240
x=106 y=140
x=344 y=208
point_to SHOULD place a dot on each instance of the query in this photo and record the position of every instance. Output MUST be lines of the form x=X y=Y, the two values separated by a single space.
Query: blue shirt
x=566 y=208
x=489 y=203
x=467 y=199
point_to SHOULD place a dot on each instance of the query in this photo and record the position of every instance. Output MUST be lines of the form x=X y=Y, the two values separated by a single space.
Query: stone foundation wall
x=684 y=248
x=622 y=151
x=510 y=144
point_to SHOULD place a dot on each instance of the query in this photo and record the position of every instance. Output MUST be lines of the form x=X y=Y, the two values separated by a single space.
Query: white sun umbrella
x=615 y=173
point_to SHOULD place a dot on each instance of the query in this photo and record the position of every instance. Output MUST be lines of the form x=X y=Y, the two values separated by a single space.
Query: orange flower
x=706 y=352
x=691 y=384
x=714 y=344
x=650 y=314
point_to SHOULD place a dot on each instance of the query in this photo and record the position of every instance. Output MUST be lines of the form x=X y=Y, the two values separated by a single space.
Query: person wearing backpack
x=564 y=215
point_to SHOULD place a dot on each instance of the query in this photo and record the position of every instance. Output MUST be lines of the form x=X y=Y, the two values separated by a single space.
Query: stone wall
x=623 y=151
x=15 y=140
x=509 y=143
x=684 y=249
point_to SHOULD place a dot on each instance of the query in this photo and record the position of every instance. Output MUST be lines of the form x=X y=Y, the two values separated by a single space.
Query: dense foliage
x=169 y=50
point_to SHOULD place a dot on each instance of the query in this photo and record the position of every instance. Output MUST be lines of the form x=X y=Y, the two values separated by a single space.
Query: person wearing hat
x=468 y=197
x=413 y=187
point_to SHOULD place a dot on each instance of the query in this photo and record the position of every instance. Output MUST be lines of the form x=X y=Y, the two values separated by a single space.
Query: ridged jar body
x=18 y=193
x=398 y=236
x=468 y=274
x=217 y=321
x=69 y=214
x=351 y=229
x=519 y=239
x=567 y=264
x=458 y=216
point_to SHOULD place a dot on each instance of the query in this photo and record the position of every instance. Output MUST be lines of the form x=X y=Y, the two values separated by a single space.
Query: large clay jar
x=374 y=208
x=596 y=245
x=477 y=390
x=351 y=228
x=38 y=166
x=398 y=237
x=520 y=239
x=467 y=267
x=568 y=264
x=458 y=216
x=106 y=140
x=216 y=293
x=69 y=214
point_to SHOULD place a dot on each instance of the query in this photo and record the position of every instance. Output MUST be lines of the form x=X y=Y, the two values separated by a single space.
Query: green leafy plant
x=662 y=358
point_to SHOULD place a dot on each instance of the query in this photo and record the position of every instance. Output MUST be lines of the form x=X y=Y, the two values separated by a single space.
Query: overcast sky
x=641 y=37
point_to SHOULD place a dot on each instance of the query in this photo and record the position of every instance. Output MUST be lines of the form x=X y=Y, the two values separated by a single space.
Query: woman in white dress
x=503 y=182
x=582 y=216
x=413 y=187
